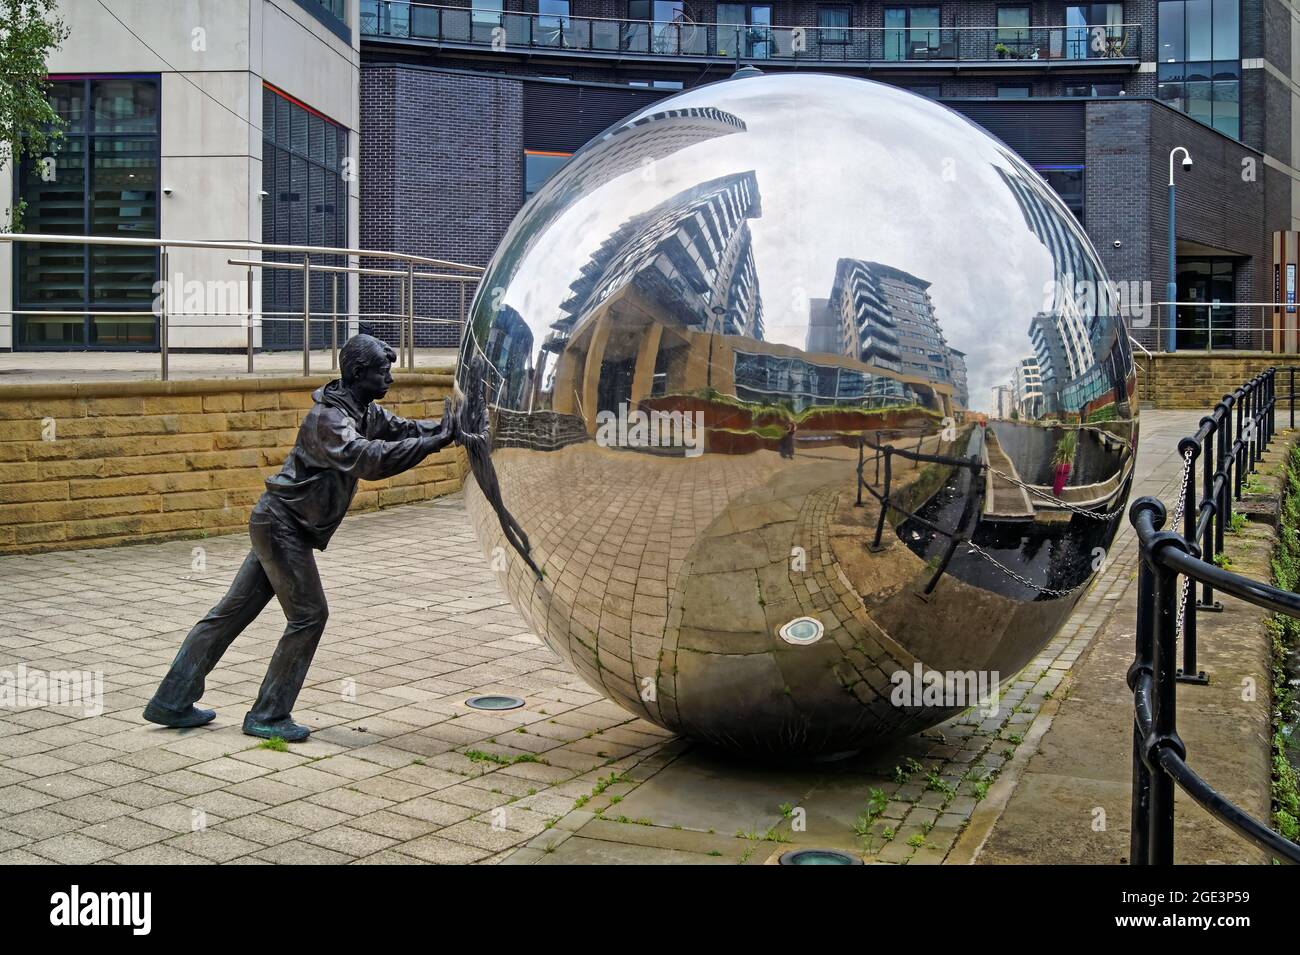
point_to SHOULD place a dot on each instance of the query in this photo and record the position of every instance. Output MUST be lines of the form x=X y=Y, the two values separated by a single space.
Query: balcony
x=1113 y=46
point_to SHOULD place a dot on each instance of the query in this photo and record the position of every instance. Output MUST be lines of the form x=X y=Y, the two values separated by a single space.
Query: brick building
x=476 y=107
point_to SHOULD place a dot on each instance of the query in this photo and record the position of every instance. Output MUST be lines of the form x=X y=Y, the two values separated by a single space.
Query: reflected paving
x=730 y=331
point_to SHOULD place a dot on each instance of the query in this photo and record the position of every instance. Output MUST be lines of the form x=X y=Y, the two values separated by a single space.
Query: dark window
x=911 y=32
x=102 y=180
x=1067 y=181
x=334 y=14
x=657 y=84
x=553 y=23
x=1096 y=31
x=832 y=24
x=1085 y=88
x=1013 y=30
x=1199 y=69
x=933 y=91
x=1015 y=91
x=305 y=162
x=747 y=26
x=540 y=166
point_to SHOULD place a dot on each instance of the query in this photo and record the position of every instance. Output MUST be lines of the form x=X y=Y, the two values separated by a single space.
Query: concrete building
x=465 y=112
x=230 y=120
x=1027 y=388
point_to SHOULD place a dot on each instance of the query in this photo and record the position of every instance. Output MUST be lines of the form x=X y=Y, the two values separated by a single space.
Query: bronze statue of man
x=345 y=437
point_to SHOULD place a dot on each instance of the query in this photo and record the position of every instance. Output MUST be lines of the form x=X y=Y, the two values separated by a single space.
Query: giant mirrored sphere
x=799 y=388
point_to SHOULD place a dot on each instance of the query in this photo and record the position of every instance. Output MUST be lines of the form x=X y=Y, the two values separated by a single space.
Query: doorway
x=1208 y=280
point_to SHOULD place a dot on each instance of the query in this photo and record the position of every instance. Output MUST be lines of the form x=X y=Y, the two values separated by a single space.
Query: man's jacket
x=338 y=444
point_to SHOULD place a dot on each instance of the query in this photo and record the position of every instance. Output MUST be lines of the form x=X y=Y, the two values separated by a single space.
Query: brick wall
x=88 y=465
x=1196 y=380
x=441 y=174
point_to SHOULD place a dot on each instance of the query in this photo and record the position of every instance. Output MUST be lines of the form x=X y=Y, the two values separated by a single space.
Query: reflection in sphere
x=715 y=317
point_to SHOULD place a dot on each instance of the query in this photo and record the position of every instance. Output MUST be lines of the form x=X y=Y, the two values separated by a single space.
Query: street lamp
x=1171 y=290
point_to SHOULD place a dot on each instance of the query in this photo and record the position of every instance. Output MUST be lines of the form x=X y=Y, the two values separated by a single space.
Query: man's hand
x=450 y=421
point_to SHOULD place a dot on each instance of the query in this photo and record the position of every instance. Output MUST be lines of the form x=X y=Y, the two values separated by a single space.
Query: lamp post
x=1171 y=290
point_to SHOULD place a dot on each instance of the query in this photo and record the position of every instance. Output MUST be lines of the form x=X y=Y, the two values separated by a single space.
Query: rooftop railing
x=1106 y=44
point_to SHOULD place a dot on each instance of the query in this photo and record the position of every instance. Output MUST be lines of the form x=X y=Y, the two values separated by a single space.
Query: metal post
x=1238 y=454
x=250 y=319
x=1211 y=460
x=961 y=531
x=1189 y=673
x=334 y=325
x=162 y=309
x=1164 y=702
x=862 y=439
x=410 y=315
x=1291 y=397
x=401 y=322
x=1225 y=465
x=884 y=500
x=1171 y=289
x=1140 y=815
x=306 y=314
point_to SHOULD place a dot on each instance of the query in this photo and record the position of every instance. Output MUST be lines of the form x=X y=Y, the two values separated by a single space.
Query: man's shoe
x=184 y=719
x=286 y=729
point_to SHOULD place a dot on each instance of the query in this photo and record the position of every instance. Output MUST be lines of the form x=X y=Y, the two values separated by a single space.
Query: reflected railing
x=323 y=310
x=494 y=29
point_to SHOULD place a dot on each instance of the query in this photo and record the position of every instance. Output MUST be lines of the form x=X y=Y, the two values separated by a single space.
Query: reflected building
x=1076 y=339
x=957 y=373
x=691 y=257
x=1027 y=388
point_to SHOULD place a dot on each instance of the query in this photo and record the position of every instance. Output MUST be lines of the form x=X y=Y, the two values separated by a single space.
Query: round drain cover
x=802 y=630
x=818 y=857
x=494 y=702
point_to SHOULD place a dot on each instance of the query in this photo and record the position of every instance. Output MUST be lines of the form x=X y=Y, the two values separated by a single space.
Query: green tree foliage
x=29 y=32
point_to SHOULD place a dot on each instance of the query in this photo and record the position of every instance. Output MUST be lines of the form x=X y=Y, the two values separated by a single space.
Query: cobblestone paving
x=399 y=770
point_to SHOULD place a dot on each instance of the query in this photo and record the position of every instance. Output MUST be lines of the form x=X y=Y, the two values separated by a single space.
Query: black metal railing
x=1228 y=452
x=1113 y=44
x=970 y=508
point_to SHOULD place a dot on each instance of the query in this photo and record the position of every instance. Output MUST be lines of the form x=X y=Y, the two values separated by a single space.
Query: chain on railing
x=1167 y=612
x=963 y=533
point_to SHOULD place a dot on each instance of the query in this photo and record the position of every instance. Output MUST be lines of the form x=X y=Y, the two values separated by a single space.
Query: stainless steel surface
x=701 y=325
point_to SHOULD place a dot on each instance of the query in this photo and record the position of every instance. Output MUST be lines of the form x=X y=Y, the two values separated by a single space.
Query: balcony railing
x=492 y=29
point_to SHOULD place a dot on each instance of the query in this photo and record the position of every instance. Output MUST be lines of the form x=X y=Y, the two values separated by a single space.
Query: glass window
x=305 y=204
x=1226 y=42
x=540 y=166
x=1014 y=91
x=831 y=23
x=1013 y=28
x=1171 y=32
x=911 y=32
x=1191 y=31
x=101 y=179
x=1196 y=17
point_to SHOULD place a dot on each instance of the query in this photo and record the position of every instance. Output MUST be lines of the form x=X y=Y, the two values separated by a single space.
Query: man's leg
x=290 y=566
x=183 y=685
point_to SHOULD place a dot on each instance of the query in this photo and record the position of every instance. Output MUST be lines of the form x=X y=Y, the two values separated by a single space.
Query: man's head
x=364 y=364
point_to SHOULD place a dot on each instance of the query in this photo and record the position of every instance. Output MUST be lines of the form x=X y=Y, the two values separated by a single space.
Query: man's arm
x=339 y=445
x=390 y=427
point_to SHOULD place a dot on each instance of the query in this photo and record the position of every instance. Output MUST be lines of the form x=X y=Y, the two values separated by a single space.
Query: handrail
x=1168 y=610
x=313 y=259
x=61 y=239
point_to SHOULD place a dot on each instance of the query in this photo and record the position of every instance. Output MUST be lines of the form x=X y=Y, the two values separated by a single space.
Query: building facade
x=222 y=120
x=464 y=110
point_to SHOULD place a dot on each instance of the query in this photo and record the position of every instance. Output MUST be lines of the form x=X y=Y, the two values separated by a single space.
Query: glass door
x=1208 y=285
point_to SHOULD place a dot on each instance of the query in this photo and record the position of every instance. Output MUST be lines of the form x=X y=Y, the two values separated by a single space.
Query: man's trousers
x=280 y=563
